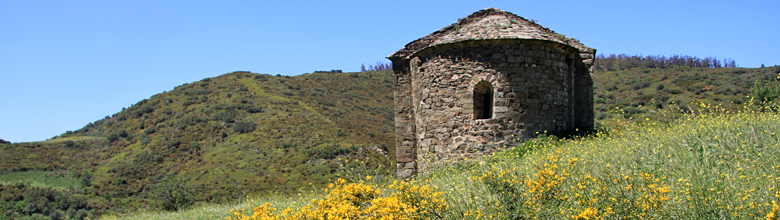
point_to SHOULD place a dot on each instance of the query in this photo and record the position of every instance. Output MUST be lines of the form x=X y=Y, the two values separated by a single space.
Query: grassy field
x=708 y=164
x=57 y=180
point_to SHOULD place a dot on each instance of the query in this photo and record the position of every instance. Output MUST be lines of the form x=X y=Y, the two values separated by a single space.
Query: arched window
x=483 y=100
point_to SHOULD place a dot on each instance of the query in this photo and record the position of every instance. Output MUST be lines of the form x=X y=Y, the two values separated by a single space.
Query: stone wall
x=537 y=85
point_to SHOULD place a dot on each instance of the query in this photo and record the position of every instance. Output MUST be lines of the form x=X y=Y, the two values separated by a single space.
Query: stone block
x=403 y=174
x=401 y=124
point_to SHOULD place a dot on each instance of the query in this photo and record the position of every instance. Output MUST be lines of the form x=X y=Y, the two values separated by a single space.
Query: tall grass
x=706 y=165
x=219 y=211
x=711 y=165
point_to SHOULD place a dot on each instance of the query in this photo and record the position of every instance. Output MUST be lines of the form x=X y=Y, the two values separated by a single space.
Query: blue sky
x=64 y=64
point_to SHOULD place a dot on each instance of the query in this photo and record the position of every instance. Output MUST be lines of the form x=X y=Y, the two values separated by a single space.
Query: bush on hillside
x=173 y=194
x=244 y=127
x=226 y=116
x=765 y=92
x=254 y=109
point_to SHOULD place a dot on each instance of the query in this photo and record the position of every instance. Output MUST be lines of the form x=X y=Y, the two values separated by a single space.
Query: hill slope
x=245 y=134
x=236 y=134
x=665 y=93
x=709 y=165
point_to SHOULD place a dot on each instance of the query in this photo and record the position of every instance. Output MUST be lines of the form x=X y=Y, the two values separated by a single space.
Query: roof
x=488 y=24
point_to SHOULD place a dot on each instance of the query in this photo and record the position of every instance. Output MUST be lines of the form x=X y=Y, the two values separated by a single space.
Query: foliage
x=378 y=67
x=711 y=164
x=50 y=179
x=663 y=94
x=21 y=200
x=173 y=194
x=764 y=93
x=360 y=200
x=614 y=62
x=229 y=136
x=244 y=127
x=306 y=126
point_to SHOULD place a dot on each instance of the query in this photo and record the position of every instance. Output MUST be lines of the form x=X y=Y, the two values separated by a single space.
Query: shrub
x=765 y=92
x=673 y=90
x=150 y=130
x=244 y=127
x=202 y=91
x=173 y=194
x=112 y=137
x=361 y=201
x=254 y=109
x=226 y=116
x=191 y=120
x=601 y=115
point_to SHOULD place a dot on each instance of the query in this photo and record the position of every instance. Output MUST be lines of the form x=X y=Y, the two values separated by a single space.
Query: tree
x=173 y=194
x=765 y=92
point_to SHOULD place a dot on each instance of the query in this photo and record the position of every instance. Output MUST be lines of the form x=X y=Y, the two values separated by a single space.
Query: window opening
x=483 y=100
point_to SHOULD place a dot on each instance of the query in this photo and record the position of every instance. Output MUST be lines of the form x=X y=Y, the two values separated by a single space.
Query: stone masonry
x=486 y=83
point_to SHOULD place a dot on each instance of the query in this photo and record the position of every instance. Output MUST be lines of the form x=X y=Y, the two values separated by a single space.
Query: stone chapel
x=486 y=83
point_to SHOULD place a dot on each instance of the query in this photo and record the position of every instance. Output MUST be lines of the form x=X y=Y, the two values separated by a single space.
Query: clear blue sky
x=64 y=64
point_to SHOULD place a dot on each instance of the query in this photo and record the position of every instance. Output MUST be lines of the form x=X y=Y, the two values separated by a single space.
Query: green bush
x=150 y=130
x=244 y=127
x=765 y=92
x=254 y=109
x=173 y=194
x=191 y=119
x=226 y=116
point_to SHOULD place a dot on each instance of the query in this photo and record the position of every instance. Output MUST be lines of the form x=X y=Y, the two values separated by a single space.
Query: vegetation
x=614 y=62
x=710 y=164
x=21 y=201
x=173 y=194
x=227 y=139
x=229 y=136
x=379 y=66
x=49 y=179
x=360 y=200
x=634 y=91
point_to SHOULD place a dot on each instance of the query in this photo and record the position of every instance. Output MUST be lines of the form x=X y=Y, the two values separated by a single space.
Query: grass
x=217 y=211
x=643 y=92
x=58 y=180
x=77 y=138
x=709 y=164
x=706 y=165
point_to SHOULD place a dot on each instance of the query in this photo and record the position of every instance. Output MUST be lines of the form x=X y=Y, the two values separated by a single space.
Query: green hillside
x=709 y=165
x=242 y=134
x=665 y=93
x=225 y=137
